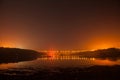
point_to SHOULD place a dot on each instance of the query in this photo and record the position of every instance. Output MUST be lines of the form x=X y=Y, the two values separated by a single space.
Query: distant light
x=101 y=43
x=7 y=44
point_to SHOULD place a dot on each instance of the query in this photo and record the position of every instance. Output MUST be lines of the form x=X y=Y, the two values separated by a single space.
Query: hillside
x=110 y=53
x=15 y=55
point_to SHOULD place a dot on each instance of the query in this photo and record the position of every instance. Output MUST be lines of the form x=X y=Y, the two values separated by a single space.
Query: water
x=30 y=67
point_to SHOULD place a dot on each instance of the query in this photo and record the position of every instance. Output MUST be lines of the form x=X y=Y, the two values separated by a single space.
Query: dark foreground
x=91 y=73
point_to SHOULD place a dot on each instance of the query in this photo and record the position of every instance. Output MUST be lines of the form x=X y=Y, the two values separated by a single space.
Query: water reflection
x=59 y=61
x=106 y=62
x=67 y=57
x=8 y=66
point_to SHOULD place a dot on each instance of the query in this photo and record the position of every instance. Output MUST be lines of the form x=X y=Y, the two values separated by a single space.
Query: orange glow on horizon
x=7 y=44
x=103 y=43
x=11 y=43
x=101 y=46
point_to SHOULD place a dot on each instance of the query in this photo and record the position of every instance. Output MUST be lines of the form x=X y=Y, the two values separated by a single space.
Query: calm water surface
x=63 y=62
x=53 y=62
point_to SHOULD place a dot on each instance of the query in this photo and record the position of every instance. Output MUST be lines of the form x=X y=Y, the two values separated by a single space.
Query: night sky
x=60 y=24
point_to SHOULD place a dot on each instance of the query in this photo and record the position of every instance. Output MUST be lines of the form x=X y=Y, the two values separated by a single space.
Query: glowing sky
x=61 y=24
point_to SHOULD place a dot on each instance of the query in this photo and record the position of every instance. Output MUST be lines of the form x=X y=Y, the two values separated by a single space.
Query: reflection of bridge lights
x=67 y=58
